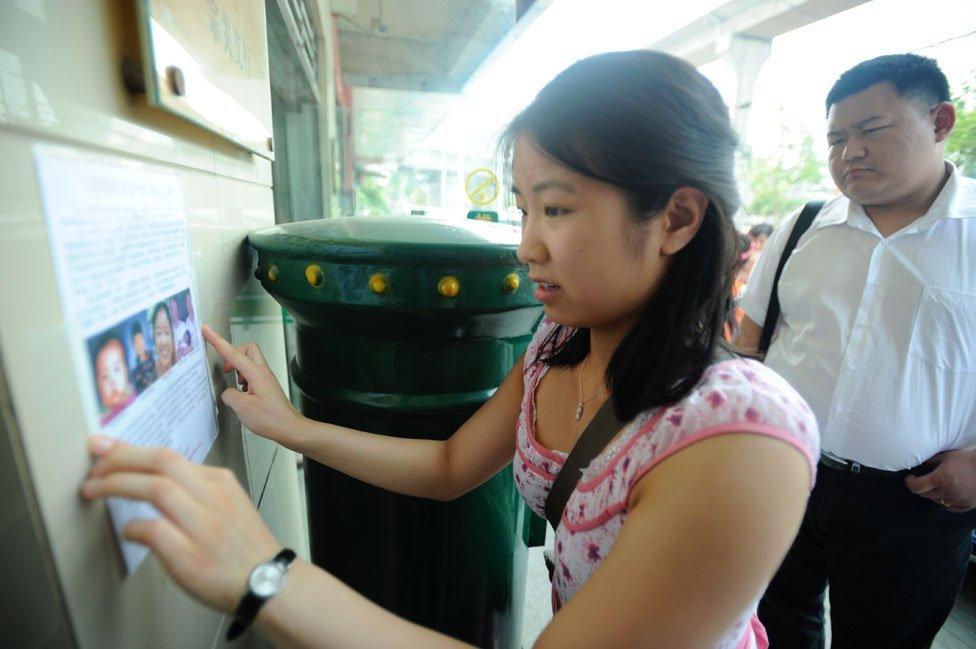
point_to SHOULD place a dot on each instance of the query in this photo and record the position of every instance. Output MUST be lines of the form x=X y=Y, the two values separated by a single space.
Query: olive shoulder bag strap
x=594 y=439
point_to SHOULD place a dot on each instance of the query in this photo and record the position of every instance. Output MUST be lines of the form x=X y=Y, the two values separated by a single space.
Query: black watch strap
x=250 y=603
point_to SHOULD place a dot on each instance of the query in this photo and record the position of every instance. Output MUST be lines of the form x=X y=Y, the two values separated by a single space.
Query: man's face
x=112 y=375
x=881 y=146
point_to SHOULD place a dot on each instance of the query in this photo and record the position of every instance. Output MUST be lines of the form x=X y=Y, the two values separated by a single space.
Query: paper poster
x=118 y=236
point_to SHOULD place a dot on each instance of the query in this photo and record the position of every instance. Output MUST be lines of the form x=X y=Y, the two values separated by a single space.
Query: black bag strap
x=810 y=211
x=594 y=439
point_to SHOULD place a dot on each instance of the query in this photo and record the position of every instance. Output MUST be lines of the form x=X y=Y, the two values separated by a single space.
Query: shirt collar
x=960 y=196
x=834 y=212
x=957 y=200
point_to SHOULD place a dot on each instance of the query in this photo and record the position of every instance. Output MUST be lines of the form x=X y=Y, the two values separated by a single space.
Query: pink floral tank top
x=736 y=395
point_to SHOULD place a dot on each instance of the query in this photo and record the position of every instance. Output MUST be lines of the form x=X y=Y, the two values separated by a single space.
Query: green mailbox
x=405 y=326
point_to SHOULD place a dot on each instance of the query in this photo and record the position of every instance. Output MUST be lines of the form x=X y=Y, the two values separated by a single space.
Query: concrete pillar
x=745 y=56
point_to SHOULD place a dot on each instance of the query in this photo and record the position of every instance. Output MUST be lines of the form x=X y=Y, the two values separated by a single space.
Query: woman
x=162 y=324
x=623 y=172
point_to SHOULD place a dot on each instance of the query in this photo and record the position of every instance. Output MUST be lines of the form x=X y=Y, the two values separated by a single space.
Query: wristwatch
x=265 y=582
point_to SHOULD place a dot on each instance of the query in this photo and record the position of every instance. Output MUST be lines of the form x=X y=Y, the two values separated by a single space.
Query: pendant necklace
x=582 y=402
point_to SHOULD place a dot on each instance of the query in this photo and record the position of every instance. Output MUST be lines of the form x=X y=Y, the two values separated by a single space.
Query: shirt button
x=851 y=366
x=875 y=282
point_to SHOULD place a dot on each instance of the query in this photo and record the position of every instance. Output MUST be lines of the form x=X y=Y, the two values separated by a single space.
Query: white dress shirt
x=879 y=334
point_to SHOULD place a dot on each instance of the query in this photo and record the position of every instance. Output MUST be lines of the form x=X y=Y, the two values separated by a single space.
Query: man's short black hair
x=914 y=77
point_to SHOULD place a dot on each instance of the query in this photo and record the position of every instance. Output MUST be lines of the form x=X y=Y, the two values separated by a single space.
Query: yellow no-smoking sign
x=481 y=186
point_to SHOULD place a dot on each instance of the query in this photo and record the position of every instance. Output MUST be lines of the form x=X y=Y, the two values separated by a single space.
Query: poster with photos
x=118 y=237
x=128 y=357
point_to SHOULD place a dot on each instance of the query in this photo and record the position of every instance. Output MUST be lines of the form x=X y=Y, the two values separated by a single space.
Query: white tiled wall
x=60 y=84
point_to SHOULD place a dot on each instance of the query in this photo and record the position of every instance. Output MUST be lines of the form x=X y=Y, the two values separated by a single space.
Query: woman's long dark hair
x=648 y=123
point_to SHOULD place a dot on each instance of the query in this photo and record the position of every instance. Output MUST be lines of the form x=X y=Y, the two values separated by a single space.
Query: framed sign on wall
x=208 y=63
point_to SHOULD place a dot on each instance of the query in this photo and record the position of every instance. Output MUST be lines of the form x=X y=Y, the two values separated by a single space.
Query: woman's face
x=163 y=340
x=592 y=265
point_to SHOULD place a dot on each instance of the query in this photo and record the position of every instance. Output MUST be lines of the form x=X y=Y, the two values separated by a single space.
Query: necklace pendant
x=579 y=411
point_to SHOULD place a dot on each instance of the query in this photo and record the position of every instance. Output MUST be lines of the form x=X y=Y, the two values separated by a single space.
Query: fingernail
x=99 y=444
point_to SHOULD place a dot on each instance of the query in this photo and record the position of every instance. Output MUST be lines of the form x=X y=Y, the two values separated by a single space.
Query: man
x=878 y=333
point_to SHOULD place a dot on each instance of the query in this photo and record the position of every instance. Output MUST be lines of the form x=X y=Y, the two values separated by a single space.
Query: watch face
x=267 y=579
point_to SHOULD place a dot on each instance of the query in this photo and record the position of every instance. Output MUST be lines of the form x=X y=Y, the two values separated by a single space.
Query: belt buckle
x=854 y=467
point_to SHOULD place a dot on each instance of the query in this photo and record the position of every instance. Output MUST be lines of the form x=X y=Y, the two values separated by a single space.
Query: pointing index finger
x=231 y=354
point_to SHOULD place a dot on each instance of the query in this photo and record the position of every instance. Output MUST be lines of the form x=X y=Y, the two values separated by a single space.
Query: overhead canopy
x=407 y=60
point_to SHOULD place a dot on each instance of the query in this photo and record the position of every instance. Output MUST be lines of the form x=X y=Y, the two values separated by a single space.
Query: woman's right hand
x=260 y=404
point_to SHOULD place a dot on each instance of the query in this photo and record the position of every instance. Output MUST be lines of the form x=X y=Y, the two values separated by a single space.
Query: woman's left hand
x=209 y=536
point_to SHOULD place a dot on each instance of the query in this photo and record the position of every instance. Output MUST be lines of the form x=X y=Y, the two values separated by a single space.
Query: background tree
x=371 y=196
x=961 y=148
x=774 y=186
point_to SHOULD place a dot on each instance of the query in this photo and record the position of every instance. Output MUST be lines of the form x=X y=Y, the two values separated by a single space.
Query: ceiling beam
x=708 y=37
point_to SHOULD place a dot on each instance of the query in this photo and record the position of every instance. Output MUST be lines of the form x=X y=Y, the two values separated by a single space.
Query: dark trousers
x=895 y=563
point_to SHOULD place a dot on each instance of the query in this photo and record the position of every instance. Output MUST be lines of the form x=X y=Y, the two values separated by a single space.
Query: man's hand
x=953 y=482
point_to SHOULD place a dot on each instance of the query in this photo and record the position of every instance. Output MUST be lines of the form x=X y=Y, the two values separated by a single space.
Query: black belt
x=850 y=466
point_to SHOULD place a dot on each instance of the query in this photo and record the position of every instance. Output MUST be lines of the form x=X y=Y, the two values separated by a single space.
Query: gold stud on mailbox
x=273 y=274
x=314 y=275
x=449 y=286
x=511 y=283
x=379 y=283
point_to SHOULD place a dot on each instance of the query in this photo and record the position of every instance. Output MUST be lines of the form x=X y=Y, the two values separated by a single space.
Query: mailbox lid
x=369 y=239
x=401 y=263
